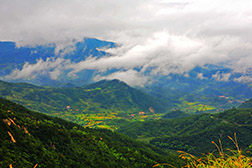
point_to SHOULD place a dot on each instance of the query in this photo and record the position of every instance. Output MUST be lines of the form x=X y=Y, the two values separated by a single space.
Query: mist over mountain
x=75 y=66
x=173 y=73
x=44 y=65
x=137 y=45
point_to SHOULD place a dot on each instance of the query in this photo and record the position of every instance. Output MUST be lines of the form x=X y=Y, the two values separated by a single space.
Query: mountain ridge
x=31 y=139
x=246 y=104
x=90 y=105
x=194 y=134
x=13 y=59
x=202 y=89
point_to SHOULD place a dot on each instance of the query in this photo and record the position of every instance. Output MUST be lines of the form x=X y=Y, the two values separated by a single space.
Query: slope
x=31 y=139
x=195 y=133
x=204 y=89
x=14 y=58
x=91 y=105
x=246 y=104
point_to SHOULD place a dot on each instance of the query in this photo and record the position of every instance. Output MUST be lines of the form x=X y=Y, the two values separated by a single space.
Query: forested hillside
x=195 y=133
x=90 y=105
x=31 y=139
x=246 y=104
x=193 y=93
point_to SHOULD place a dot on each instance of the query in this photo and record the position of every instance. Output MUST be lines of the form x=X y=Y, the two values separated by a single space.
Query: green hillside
x=91 y=105
x=246 y=104
x=31 y=139
x=175 y=114
x=194 y=134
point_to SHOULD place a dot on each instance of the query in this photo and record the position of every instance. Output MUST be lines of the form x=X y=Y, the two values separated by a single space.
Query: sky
x=158 y=36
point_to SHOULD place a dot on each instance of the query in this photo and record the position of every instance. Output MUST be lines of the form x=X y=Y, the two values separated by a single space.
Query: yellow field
x=195 y=106
x=105 y=126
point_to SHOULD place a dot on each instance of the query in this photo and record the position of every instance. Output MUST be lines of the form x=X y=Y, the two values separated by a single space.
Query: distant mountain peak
x=109 y=83
x=13 y=59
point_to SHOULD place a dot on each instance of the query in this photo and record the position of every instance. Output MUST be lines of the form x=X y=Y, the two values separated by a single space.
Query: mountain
x=12 y=57
x=90 y=105
x=88 y=47
x=209 y=88
x=194 y=134
x=15 y=58
x=30 y=139
x=175 y=114
x=246 y=104
x=203 y=89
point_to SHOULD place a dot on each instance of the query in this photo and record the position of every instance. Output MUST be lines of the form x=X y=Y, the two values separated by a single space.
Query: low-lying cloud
x=156 y=37
x=131 y=77
x=221 y=77
x=52 y=67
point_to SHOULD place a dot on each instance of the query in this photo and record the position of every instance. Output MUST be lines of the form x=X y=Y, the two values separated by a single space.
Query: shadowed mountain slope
x=195 y=133
x=29 y=139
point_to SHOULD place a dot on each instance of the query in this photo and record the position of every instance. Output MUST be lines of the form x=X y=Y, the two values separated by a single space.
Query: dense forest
x=125 y=84
x=194 y=133
x=90 y=105
x=31 y=139
x=246 y=104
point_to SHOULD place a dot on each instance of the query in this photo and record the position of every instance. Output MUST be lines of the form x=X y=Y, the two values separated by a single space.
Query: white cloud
x=244 y=79
x=29 y=71
x=55 y=74
x=160 y=36
x=164 y=53
x=131 y=77
x=221 y=76
x=200 y=76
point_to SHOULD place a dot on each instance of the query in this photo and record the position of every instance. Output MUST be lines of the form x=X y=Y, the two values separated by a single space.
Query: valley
x=91 y=106
x=178 y=112
x=126 y=84
x=99 y=104
x=31 y=139
x=165 y=119
x=96 y=109
x=194 y=133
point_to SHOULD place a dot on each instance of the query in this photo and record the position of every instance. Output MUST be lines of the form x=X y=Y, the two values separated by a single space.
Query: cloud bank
x=157 y=37
x=52 y=67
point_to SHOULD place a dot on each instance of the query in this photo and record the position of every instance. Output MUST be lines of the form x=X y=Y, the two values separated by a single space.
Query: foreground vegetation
x=31 y=139
x=229 y=159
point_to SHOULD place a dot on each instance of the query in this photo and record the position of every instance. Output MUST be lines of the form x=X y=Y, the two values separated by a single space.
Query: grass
x=90 y=90
x=105 y=127
x=97 y=119
x=10 y=166
x=229 y=159
x=195 y=106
